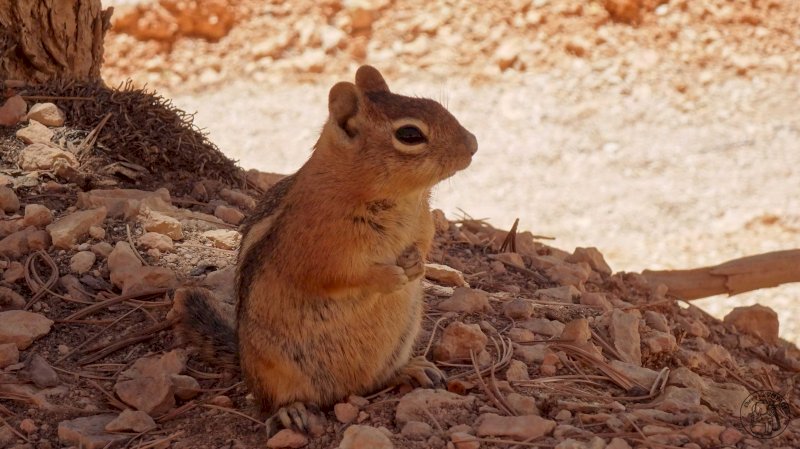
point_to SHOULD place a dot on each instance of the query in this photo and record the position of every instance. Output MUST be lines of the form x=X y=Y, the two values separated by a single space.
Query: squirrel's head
x=402 y=142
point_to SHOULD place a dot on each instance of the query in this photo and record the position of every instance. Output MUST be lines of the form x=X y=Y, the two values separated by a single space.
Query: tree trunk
x=42 y=40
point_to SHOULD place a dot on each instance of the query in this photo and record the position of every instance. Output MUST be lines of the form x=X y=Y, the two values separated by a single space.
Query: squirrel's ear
x=369 y=79
x=343 y=107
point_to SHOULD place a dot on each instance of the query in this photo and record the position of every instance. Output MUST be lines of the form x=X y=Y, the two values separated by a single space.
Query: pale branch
x=732 y=277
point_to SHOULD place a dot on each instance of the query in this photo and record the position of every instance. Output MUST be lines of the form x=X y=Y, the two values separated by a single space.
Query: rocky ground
x=541 y=347
x=664 y=133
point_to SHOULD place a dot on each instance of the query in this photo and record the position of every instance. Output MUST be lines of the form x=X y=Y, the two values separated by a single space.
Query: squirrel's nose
x=472 y=143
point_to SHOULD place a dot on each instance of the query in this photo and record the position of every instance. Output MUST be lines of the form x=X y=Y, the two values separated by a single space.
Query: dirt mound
x=540 y=346
x=136 y=134
x=696 y=43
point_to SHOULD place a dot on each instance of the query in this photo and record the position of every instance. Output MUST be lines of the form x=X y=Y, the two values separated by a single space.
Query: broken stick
x=732 y=277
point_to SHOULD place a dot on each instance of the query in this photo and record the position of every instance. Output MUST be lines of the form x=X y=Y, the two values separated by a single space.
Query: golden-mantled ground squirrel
x=329 y=271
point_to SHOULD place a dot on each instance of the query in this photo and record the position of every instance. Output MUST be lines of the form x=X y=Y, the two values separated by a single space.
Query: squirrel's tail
x=204 y=322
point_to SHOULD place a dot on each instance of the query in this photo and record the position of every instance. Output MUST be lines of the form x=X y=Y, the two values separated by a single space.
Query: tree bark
x=42 y=40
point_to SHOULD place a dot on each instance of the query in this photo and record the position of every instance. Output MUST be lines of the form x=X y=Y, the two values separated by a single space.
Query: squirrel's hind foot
x=293 y=416
x=419 y=372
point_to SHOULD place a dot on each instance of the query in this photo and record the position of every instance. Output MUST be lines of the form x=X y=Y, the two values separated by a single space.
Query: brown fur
x=326 y=307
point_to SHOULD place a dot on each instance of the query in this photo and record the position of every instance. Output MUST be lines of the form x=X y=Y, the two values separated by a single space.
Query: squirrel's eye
x=410 y=135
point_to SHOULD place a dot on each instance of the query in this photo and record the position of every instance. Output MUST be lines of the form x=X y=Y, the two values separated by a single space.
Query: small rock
x=730 y=436
x=22 y=328
x=656 y=320
x=591 y=256
x=465 y=300
x=519 y=335
x=40 y=372
x=28 y=426
x=577 y=331
x=223 y=238
x=228 y=214
x=563 y=415
x=186 y=387
x=595 y=299
x=528 y=427
x=543 y=326
x=38 y=240
x=125 y=203
x=89 y=433
x=693 y=328
x=725 y=397
x=14 y=272
x=365 y=437
x=531 y=354
x=458 y=339
x=567 y=274
x=47 y=114
x=222 y=401
x=35 y=132
x=82 y=262
x=658 y=342
x=550 y=364
x=518 y=309
x=102 y=249
x=11 y=300
x=704 y=434
x=154 y=221
x=37 y=215
x=42 y=156
x=287 y=438
x=462 y=440
x=9 y=354
x=9 y=202
x=239 y=199
x=512 y=259
x=135 y=420
x=8 y=227
x=148 y=386
x=345 y=412
x=97 y=232
x=568 y=293
x=66 y=231
x=154 y=240
x=127 y=272
x=417 y=430
x=756 y=320
x=416 y=405
x=12 y=111
x=678 y=400
x=517 y=371
x=522 y=405
x=624 y=331
x=16 y=245
x=643 y=376
x=618 y=443
x=445 y=275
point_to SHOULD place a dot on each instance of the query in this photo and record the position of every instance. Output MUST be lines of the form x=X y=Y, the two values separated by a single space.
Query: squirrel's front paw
x=411 y=262
x=389 y=278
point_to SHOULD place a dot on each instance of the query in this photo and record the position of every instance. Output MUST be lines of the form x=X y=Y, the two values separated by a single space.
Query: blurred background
x=665 y=133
